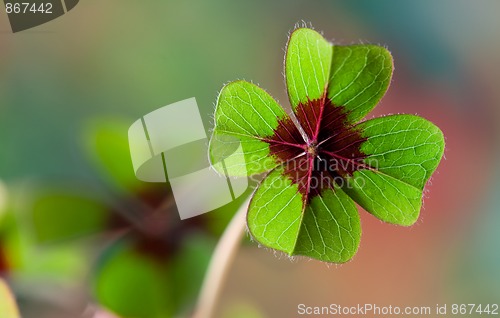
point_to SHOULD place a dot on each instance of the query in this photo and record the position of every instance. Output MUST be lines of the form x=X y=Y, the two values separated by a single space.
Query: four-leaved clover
x=324 y=159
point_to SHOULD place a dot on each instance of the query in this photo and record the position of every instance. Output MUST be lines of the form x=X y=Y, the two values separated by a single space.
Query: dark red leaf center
x=325 y=152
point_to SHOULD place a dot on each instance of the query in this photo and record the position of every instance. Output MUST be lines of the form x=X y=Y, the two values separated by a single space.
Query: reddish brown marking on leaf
x=4 y=263
x=310 y=115
x=340 y=141
x=330 y=154
x=287 y=142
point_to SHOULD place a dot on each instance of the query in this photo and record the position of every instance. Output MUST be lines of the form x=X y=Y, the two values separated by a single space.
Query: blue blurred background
x=70 y=88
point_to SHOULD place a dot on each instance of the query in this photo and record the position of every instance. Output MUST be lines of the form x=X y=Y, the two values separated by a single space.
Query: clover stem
x=222 y=258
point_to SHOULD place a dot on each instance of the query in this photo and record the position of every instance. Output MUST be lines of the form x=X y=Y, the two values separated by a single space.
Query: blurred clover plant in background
x=125 y=235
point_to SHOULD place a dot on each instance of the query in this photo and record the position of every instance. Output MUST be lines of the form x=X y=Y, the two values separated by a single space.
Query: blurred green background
x=75 y=225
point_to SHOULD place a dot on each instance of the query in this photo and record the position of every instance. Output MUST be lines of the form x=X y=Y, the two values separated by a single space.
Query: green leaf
x=8 y=307
x=66 y=263
x=385 y=197
x=61 y=214
x=405 y=150
x=133 y=283
x=307 y=65
x=275 y=212
x=246 y=115
x=188 y=270
x=330 y=229
x=360 y=76
x=406 y=147
x=134 y=286
x=106 y=143
x=327 y=228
